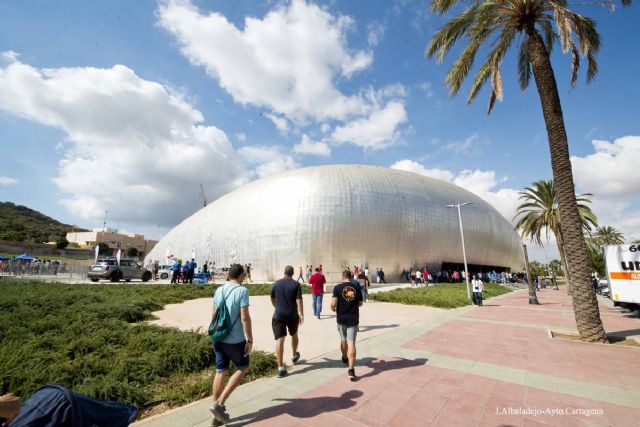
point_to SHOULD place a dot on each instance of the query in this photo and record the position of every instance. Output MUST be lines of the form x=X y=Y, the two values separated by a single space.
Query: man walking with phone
x=286 y=297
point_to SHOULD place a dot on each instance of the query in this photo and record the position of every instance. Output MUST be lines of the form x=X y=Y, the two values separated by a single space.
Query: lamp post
x=464 y=252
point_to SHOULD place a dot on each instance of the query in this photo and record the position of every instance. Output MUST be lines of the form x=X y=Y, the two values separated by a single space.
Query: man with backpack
x=286 y=297
x=232 y=337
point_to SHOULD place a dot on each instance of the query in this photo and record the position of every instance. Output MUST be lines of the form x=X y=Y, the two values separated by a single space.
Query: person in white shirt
x=477 y=291
x=418 y=277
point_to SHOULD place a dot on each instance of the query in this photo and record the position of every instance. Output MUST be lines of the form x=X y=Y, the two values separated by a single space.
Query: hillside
x=19 y=223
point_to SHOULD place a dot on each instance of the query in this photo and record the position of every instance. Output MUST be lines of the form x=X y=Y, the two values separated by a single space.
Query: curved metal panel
x=341 y=215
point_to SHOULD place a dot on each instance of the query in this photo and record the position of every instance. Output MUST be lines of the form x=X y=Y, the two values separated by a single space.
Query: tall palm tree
x=538 y=214
x=607 y=235
x=498 y=22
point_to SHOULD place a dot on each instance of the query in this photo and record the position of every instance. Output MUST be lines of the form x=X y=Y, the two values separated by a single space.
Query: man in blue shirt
x=191 y=269
x=237 y=345
x=176 y=271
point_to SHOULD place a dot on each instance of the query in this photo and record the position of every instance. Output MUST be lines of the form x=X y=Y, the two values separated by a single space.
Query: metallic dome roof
x=344 y=215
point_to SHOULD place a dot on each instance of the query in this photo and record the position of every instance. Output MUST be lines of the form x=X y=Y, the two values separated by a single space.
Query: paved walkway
x=477 y=366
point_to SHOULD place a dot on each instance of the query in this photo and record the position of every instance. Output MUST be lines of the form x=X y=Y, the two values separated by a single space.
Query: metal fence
x=53 y=271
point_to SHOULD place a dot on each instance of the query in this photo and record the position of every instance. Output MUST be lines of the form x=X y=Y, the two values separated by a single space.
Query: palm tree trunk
x=533 y=298
x=563 y=259
x=585 y=303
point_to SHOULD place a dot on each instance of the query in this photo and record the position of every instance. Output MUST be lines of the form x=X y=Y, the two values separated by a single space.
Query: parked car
x=109 y=269
x=164 y=271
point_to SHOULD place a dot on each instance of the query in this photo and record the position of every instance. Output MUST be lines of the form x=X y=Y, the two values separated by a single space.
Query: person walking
x=382 y=276
x=301 y=276
x=249 y=273
x=317 y=282
x=156 y=269
x=346 y=302
x=363 y=281
x=286 y=297
x=175 y=269
x=477 y=290
x=237 y=345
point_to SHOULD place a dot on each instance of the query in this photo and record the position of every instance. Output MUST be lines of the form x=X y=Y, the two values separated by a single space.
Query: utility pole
x=464 y=252
x=104 y=225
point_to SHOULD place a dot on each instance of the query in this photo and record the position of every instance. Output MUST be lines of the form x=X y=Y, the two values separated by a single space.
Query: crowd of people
x=35 y=267
x=232 y=334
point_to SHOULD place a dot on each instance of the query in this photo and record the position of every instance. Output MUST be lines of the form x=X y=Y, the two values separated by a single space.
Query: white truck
x=623 y=272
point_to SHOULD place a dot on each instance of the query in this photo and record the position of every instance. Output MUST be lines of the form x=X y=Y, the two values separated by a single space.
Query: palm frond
x=524 y=66
x=548 y=33
x=450 y=33
x=442 y=6
x=592 y=66
x=493 y=61
x=564 y=28
x=575 y=63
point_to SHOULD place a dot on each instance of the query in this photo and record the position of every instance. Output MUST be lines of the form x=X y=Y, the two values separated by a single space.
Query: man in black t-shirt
x=346 y=302
x=286 y=297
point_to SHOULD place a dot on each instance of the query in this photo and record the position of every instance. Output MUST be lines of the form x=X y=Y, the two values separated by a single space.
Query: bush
x=82 y=337
x=441 y=296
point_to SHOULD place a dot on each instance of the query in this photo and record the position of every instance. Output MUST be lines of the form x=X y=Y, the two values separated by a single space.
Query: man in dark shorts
x=346 y=302
x=286 y=297
x=236 y=346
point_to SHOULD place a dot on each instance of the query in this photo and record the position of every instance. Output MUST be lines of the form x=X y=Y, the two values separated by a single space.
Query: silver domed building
x=345 y=215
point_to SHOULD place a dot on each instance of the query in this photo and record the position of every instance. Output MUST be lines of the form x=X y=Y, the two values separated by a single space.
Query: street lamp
x=464 y=252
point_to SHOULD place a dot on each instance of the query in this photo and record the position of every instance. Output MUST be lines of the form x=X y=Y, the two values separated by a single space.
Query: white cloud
x=279 y=122
x=481 y=183
x=306 y=146
x=5 y=180
x=375 y=33
x=241 y=136
x=427 y=88
x=377 y=131
x=469 y=145
x=286 y=61
x=289 y=62
x=610 y=174
x=612 y=170
x=415 y=167
x=131 y=144
x=267 y=160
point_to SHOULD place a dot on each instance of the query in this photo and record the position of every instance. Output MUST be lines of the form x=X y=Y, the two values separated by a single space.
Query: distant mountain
x=19 y=223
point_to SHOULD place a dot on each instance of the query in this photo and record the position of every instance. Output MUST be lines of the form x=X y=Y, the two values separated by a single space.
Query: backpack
x=221 y=326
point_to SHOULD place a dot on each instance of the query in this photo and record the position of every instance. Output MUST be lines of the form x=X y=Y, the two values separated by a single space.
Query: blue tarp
x=57 y=406
x=25 y=257
x=3 y=258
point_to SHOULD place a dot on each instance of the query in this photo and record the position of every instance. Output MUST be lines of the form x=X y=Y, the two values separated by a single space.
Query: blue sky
x=129 y=106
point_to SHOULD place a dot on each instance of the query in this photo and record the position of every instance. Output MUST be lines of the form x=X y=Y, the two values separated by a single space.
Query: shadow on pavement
x=314 y=406
x=374 y=327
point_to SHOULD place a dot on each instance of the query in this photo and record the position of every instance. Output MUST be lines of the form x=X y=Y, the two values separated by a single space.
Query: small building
x=113 y=239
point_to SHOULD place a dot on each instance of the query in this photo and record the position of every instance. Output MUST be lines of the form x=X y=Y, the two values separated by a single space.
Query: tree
x=62 y=242
x=607 y=235
x=103 y=248
x=132 y=252
x=556 y=267
x=497 y=23
x=539 y=213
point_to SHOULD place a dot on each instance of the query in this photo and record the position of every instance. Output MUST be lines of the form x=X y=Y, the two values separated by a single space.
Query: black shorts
x=280 y=327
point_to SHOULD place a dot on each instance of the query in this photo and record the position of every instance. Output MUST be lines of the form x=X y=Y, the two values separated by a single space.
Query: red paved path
x=402 y=392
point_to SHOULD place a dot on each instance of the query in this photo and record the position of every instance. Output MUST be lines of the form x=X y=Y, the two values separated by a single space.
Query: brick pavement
x=475 y=366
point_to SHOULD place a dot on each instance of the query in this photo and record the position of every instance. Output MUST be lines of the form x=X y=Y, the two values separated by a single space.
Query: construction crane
x=204 y=198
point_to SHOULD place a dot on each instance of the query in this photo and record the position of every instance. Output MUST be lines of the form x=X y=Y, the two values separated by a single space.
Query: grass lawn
x=84 y=337
x=441 y=296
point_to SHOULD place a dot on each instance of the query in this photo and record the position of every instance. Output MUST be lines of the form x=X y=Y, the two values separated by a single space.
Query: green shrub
x=441 y=296
x=81 y=336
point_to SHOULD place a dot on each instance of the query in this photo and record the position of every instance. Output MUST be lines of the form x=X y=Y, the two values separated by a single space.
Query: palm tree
x=607 y=235
x=539 y=213
x=498 y=22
